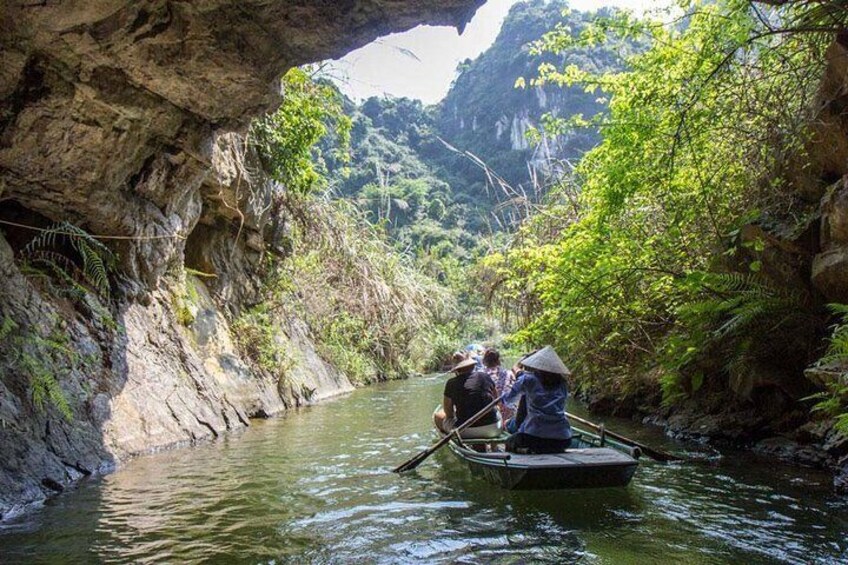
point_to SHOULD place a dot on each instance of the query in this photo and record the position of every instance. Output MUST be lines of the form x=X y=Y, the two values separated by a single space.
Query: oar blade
x=411 y=464
x=662 y=456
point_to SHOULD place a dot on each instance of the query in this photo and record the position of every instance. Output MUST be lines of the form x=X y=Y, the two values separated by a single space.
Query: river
x=315 y=486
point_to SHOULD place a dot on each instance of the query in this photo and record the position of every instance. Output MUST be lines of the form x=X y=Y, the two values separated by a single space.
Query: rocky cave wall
x=126 y=119
x=804 y=253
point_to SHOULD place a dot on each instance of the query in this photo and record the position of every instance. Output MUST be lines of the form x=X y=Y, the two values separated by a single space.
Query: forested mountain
x=438 y=176
x=486 y=114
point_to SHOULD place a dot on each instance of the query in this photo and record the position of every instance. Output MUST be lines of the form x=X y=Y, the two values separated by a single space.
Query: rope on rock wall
x=121 y=237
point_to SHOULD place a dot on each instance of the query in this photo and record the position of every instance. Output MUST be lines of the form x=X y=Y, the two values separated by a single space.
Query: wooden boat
x=592 y=462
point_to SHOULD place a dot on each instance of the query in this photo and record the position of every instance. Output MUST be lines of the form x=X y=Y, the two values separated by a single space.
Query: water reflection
x=317 y=487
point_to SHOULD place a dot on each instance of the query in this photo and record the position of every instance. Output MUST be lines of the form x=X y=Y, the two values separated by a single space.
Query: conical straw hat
x=546 y=359
x=463 y=364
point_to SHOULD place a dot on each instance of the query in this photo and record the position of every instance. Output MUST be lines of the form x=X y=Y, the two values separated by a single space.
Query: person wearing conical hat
x=466 y=394
x=545 y=429
x=457 y=357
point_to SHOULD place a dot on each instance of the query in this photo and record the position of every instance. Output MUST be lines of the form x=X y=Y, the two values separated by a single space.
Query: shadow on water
x=500 y=525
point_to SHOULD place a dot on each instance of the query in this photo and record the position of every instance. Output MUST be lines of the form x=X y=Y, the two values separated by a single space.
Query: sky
x=420 y=63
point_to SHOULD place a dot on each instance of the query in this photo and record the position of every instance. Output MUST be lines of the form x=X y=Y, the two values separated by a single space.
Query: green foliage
x=393 y=177
x=837 y=349
x=263 y=341
x=612 y=269
x=833 y=401
x=446 y=181
x=73 y=256
x=732 y=324
x=186 y=301
x=285 y=140
x=7 y=327
x=345 y=343
x=41 y=359
x=367 y=303
x=66 y=272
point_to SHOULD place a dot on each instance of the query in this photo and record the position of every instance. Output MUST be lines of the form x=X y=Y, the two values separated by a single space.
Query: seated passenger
x=503 y=378
x=465 y=395
x=545 y=429
x=475 y=352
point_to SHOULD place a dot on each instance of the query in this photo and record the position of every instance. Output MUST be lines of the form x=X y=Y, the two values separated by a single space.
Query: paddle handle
x=478 y=415
x=415 y=461
x=650 y=452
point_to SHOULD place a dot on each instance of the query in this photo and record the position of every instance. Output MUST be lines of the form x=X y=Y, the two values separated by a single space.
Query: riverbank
x=767 y=425
x=135 y=377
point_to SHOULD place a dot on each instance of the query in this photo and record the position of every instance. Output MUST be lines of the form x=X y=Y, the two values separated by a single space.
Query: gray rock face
x=840 y=481
x=830 y=267
x=124 y=118
x=148 y=384
x=830 y=274
x=40 y=451
x=792 y=451
x=828 y=152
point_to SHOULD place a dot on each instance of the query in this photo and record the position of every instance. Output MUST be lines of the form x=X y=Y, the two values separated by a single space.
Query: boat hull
x=510 y=475
x=585 y=466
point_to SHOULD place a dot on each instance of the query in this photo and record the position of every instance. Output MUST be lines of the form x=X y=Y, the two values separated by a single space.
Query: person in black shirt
x=468 y=392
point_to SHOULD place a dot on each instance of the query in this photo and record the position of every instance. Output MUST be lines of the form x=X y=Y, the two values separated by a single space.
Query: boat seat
x=502 y=439
x=483 y=441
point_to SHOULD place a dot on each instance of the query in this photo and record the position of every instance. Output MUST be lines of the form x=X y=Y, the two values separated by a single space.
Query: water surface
x=315 y=486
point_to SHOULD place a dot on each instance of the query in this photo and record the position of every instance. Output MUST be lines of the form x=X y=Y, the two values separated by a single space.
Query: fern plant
x=833 y=401
x=40 y=359
x=45 y=386
x=837 y=348
x=71 y=254
x=741 y=319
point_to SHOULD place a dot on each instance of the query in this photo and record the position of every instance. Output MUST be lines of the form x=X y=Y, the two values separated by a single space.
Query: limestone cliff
x=111 y=109
x=124 y=118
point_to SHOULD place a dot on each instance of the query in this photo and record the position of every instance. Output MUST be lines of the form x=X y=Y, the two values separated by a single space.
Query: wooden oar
x=418 y=459
x=649 y=451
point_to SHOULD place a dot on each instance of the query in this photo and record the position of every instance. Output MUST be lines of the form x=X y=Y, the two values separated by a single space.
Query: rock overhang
x=110 y=109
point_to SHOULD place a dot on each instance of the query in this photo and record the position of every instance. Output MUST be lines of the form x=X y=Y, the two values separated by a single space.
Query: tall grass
x=369 y=305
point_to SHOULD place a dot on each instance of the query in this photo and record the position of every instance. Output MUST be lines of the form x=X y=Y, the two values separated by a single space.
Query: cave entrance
x=197 y=248
x=20 y=225
x=61 y=251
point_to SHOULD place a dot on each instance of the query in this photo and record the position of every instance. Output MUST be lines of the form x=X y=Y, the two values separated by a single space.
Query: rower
x=467 y=393
x=545 y=429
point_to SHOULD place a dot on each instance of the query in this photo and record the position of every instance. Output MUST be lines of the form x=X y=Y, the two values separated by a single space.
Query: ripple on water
x=316 y=487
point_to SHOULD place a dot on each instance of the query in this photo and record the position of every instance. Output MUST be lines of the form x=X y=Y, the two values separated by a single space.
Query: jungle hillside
x=658 y=200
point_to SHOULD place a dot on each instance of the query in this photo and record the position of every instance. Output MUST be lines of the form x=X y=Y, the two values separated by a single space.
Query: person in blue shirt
x=475 y=351
x=545 y=429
